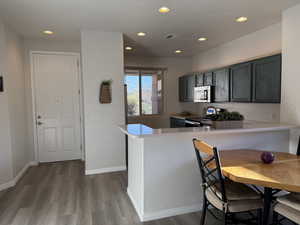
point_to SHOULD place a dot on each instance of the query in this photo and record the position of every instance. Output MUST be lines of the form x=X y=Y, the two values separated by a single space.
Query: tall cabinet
x=267 y=80
x=240 y=77
x=186 y=88
x=221 y=83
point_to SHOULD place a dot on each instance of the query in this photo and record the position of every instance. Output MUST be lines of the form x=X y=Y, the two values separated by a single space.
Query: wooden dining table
x=245 y=166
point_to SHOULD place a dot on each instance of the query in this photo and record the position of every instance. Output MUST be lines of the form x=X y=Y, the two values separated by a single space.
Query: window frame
x=140 y=70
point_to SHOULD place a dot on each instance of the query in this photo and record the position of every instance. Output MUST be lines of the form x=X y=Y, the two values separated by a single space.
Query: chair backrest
x=210 y=168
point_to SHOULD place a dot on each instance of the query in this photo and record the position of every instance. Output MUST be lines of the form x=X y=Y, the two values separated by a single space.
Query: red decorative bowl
x=267 y=157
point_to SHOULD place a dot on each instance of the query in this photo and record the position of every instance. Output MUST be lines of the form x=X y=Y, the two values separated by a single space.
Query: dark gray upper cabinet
x=208 y=79
x=191 y=83
x=267 y=80
x=199 y=79
x=182 y=89
x=241 y=87
x=254 y=81
x=221 y=83
x=187 y=84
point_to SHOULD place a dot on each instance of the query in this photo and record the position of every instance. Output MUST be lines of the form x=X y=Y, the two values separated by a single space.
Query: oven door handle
x=192 y=122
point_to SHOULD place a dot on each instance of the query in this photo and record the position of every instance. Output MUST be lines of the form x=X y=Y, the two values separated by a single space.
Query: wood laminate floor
x=60 y=194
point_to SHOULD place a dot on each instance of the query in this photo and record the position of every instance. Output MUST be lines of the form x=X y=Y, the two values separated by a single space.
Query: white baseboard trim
x=134 y=203
x=171 y=212
x=162 y=213
x=105 y=170
x=7 y=185
x=34 y=163
x=15 y=180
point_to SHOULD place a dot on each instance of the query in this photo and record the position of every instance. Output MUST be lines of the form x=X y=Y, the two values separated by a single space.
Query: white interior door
x=57 y=106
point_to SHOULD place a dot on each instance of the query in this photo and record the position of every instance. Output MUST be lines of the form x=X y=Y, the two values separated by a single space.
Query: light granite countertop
x=142 y=131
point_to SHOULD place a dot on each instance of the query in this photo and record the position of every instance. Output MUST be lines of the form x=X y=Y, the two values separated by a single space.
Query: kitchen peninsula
x=163 y=176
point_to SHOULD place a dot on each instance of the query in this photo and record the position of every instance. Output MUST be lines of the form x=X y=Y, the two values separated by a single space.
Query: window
x=144 y=91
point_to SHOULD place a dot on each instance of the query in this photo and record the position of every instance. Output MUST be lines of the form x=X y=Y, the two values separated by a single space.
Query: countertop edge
x=158 y=132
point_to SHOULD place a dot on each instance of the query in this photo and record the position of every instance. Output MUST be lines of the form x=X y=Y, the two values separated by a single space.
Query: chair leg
x=259 y=216
x=275 y=218
x=225 y=218
x=204 y=208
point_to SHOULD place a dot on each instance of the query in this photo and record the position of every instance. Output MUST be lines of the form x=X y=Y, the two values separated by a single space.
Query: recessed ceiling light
x=141 y=34
x=164 y=9
x=241 y=19
x=178 y=51
x=49 y=32
x=202 y=39
x=128 y=48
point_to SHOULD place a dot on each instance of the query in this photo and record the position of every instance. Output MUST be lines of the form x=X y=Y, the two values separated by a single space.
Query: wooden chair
x=226 y=196
x=288 y=206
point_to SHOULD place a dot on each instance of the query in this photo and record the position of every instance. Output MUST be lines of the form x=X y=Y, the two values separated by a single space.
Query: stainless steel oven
x=203 y=94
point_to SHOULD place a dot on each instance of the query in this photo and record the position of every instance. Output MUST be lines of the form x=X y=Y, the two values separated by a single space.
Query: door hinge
x=77 y=63
x=79 y=92
x=81 y=147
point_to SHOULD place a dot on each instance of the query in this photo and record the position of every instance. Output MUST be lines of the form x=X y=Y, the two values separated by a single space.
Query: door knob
x=39 y=123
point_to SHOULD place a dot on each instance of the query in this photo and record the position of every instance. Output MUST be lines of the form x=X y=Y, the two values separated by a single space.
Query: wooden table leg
x=268 y=194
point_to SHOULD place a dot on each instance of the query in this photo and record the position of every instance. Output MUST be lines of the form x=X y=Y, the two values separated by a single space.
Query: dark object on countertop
x=226 y=116
x=185 y=113
x=267 y=157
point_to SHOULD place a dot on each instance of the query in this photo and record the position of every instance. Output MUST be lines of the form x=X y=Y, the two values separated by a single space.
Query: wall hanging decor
x=105 y=92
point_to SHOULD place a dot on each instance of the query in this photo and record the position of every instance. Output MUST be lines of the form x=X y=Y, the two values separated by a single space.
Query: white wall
x=102 y=59
x=290 y=100
x=6 y=167
x=13 y=129
x=16 y=100
x=40 y=45
x=290 y=107
x=255 y=45
x=176 y=67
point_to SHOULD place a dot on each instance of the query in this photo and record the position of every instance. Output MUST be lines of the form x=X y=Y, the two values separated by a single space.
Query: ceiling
x=188 y=20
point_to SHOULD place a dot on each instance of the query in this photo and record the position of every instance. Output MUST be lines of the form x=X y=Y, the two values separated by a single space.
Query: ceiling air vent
x=170 y=36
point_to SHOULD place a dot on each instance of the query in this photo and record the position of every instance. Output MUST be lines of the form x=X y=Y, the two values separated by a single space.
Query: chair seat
x=236 y=191
x=291 y=200
x=288 y=212
x=240 y=198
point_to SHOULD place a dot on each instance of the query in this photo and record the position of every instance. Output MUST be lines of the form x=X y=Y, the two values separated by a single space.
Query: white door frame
x=80 y=96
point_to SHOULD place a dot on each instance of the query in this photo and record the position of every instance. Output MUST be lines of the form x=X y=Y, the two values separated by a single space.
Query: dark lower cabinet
x=267 y=80
x=221 y=83
x=241 y=86
x=176 y=122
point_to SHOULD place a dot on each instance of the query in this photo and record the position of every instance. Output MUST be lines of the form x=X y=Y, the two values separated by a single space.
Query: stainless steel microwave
x=203 y=94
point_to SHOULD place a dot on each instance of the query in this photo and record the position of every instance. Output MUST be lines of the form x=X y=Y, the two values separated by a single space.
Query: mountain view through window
x=144 y=92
